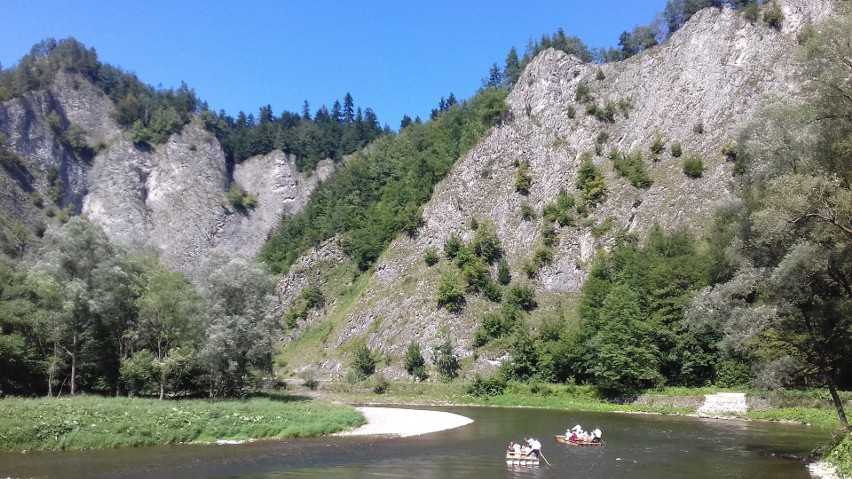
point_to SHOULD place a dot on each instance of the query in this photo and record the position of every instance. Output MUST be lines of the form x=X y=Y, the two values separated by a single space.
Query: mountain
x=695 y=91
x=170 y=198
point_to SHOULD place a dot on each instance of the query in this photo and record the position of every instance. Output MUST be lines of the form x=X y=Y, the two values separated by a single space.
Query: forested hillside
x=673 y=211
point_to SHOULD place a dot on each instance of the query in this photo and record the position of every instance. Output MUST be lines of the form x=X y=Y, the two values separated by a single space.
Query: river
x=637 y=446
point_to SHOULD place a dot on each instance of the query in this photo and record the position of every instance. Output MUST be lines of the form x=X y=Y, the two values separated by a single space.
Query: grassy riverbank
x=100 y=423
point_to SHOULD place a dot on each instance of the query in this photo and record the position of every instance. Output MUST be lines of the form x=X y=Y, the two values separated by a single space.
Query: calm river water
x=638 y=446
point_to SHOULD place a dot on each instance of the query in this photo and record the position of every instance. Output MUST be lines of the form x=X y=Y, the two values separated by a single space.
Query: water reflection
x=638 y=446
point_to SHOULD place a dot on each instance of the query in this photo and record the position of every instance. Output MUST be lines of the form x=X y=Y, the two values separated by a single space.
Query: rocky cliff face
x=698 y=89
x=171 y=198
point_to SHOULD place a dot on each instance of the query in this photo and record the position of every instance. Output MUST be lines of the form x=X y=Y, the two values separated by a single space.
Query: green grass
x=89 y=422
x=821 y=418
x=840 y=454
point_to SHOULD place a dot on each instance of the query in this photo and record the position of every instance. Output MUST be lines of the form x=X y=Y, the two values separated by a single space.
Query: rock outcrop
x=170 y=198
x=698 y=89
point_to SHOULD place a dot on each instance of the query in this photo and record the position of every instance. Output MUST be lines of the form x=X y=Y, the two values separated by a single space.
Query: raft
x=565 y=440
x=519 y=459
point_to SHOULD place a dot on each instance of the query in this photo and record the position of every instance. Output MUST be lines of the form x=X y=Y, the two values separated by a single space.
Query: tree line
x=83 y=315
x=328 y=134
x=378 y=193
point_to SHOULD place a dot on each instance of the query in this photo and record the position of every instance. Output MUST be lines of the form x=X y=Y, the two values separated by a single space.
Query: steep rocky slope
x=697 y=89
x=171 y=198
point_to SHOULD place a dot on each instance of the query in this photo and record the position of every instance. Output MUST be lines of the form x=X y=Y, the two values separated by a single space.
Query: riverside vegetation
x=88 y=422
x=762 y=298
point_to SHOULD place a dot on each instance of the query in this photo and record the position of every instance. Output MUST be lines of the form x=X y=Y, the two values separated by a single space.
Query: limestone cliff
x=170 y=198
x=697 y=89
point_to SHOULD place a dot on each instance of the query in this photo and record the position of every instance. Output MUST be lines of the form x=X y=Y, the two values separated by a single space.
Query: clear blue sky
x=397 y=57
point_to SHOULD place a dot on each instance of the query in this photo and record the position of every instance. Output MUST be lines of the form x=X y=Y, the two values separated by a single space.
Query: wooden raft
x=565 y=440
x=519 y=459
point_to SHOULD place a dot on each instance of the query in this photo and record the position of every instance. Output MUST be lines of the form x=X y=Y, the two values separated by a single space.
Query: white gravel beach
x=401 y=422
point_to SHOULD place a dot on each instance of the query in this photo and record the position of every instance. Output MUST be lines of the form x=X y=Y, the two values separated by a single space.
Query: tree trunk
x=73 y=354
x=838 y=404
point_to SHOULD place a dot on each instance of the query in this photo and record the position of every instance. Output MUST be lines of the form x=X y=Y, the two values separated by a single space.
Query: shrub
x=445 y=360
x=677 y=150
x=415 y=365
x=599 y=75
x=548 y=235
x=492 y=292
x=582 y=93
x=452 y=246
x=379 y=384
x=522 y=297
x=310 y=379
x=504 y=276
x=693 y=166
x=430 y=257
x=527 y=212
x=751 y=12
x=450 y=294
x=239 y=199
x=773 y=16
x=523 y=179
x=363 y=362
x=632 y=166
x=591 y=183
x=493 y=386
x=658 y=145
x=486 y=244
x=571 y=112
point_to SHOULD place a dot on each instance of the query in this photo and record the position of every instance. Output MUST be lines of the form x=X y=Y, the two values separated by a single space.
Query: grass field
x=90 y=422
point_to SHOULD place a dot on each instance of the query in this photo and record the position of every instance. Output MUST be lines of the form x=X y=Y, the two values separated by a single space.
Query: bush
x=591 y=183
x=379 y=384
x=523 y=179
x=239 y=199
x=444 y=358
x=773 y=16
x=522 y=297
x=658 y=145
x=599 y=75
x=493 y=386
x=504 y=276
x=632 y=166
x=414 y=363
x=310 y=379
x=527 y=212
x=452 y=246
x=571 y=112
x=583 y=93
x=693 y=166
x=430 y=257
x=363 y=362
x=677 y=150
x=492 y=292
x=451 y=294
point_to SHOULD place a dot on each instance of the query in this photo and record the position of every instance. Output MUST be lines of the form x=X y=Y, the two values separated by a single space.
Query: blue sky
x=393 y=56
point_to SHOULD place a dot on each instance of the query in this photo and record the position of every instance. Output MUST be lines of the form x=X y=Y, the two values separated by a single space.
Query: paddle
x=545 y=459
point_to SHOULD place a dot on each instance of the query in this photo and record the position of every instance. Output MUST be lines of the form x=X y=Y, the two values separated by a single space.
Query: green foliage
x=591 y=183
x=658 y=145
x=492 y=292
x=571 y=111
x=452 y=246
x=444 y=357
x=693 y=166
x=522 y=297
x=527 y=212
x=504 y=276
x=751 y=12
x=486 y=244
x=430 y=256
x=363 y=362
x=561 y=211
x=599 y=75
x=414 y=363
x=523 y=178
x=677 y=150
x=488 y=387
x=773 y=15
x=377 y=194
x=583 y=93
x=238 y=198
x=632 y=166
x=451 y=293
x=90 y=422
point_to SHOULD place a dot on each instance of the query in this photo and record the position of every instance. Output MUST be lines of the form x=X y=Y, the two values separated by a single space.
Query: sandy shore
x=401 y=422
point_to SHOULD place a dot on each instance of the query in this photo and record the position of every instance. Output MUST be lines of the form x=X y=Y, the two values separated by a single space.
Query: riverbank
x=90 y=422
x=401 y=422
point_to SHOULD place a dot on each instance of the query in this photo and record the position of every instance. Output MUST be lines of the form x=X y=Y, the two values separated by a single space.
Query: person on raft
x=535 y=447
x=596 y=434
